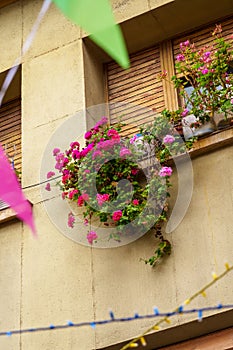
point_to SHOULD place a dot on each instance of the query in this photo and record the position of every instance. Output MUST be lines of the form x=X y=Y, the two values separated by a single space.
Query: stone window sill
x=7 y=214
x=217 y=139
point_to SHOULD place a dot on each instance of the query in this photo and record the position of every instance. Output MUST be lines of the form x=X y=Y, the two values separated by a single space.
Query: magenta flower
x=134 y=171
x=96 y=153
x=135 y=201
x=133 y=139
x=80 y=201
x=88 y=135
x=205 y=71
x=124 y=152
x=180 y=58
x=56 y=151
x=71 y=220
x=65 y=178
x=168 y=139
x=165 y=171
x=185 y=112
x=103 y=120
x=50 y=174
x=113 y=134
x=76 y=154
x=72 y=193
x=48 y=187
x=101 y=198
x=116 y=216
x=91 y=236
x=74 y=144
x=64 y=194
x=184 y=45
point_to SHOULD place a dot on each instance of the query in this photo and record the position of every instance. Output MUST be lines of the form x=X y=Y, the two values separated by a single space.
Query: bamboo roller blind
x=10 y=130
x=133 y=93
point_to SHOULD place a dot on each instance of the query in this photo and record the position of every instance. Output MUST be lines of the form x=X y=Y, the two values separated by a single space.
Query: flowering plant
x=204 y=78
x=109 y=181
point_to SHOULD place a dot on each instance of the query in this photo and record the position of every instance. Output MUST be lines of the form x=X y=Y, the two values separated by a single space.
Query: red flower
x=116 y=216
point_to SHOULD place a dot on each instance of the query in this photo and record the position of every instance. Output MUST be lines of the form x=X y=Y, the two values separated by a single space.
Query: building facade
x=52 y=279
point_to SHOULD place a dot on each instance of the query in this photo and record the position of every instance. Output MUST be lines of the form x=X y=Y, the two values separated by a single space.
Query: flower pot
x=204 y=129
x=223 y=121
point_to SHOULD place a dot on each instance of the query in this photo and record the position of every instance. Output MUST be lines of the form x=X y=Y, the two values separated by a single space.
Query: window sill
x=217 y=139
x=7 y=214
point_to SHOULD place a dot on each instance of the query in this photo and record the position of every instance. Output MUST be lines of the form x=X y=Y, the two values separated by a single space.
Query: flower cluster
x=207 y=74
x=91 y=178
x=203 y=81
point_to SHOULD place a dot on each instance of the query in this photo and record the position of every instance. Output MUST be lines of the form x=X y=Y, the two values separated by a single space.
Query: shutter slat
x=10 y=130
x=203 y=36
x=134 y=93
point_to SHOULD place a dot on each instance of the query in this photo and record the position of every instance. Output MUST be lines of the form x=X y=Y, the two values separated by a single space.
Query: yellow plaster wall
x=52 y=279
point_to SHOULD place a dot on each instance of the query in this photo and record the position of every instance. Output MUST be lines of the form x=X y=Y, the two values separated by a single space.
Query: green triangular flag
x=96 y=18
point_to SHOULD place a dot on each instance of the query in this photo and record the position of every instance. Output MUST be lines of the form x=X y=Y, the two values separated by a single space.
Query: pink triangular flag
x=11 y=193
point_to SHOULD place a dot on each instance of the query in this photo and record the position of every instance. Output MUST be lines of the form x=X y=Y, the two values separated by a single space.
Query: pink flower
x=74 y=144
x=102 y=121
x=85 y=196
x=56 y=151
x=133 y=139
x=168 y=139
x=71 y=220
x=205 y=71
x=101 y=198
x=86 y=150
x=184 y=45
x=72 y=193
x=124 y=152
x=64 y=194
x=180 y=58
x=80 y=201
x=88 y=135
x=113 y=134
x=85 y=222
x=50 y=174
x=185 y=112
x=76 y=154
x=165 y=171
x=48 y=187
x=91 y=236
x=96 y=153
x=65 y=178
x=105 y=144
x=232 y=101
x=117 y=215
x=135 y=201
x=134 y=171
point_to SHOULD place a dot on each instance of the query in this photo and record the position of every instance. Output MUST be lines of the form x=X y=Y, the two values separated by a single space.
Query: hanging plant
x=120 y=183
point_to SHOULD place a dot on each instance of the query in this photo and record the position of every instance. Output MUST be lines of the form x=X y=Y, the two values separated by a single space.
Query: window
x=10 y=124
x=135 y=93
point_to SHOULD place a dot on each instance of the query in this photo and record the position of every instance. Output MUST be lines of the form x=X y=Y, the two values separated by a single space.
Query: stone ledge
x=217 y=139
x=7 y=214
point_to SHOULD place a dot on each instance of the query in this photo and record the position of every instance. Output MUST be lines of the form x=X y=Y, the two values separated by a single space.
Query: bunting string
x=156 y=313
x=180 y=309
x=28 y=42
x=113 y=319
